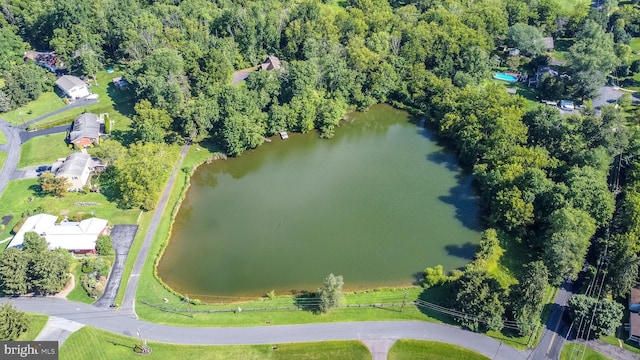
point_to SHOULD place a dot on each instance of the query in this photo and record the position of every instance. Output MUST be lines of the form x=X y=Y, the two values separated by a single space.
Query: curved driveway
x=115 y=321
x=12 y=147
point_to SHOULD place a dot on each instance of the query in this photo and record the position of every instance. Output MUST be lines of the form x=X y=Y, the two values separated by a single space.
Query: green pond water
x=377 y=204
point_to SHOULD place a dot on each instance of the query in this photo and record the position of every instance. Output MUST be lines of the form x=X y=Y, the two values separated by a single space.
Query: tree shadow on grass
x=36 y=190
x=123 y=100
x=126 y=138
x=132 y=347
x=307 y=301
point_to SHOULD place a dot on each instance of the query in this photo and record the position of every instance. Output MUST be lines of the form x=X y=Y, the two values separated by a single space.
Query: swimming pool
x=505 y=77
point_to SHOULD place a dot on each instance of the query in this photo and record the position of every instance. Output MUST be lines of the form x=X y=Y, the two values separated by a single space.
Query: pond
x=377 y=203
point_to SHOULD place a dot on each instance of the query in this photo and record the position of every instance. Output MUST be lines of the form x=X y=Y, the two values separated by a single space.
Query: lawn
x=431 y=350
x=44 y=150
x=78 y=293
x=44 y=104
x=3 y=139
x=569 y=6
x=571 y=350
x=37 y=322
x=22 y=195
x=635 y=48
x=91 y=343
x=626 y=343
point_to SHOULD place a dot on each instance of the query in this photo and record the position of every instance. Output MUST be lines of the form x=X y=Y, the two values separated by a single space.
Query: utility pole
x=404 y=301
x=189 y=304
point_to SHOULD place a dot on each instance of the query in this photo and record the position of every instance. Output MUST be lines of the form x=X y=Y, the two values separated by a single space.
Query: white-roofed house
x=76 y=237
x=73 y=87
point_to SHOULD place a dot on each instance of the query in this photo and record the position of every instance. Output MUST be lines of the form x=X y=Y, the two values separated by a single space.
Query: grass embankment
x=3 y=139
x=91 y=343
x=569 y=352
x=37 y=322
x=569 y=6
x=44 y=104
x=431 y=350
x=21 y=196
x=44 y=150
x=624 y=339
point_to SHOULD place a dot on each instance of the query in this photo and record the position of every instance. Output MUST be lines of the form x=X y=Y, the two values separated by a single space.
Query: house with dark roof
x=76 y=168
x=73 y=87
x=272 y=63
x=87 y=129
x=541 y=72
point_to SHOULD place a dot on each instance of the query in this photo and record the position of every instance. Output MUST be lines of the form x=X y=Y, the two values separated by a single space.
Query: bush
x=88 y=265
x=89 y=284
x=104 y=245
x=434 y=276
x=635 y=66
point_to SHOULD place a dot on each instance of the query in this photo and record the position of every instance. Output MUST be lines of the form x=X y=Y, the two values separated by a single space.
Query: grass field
x=91 y=343
x=3 y=139
x=626 y=343
x=38 y=321
x=431 y=350
x=22 y=195
x=3 y=158
x=569 y=351
x=568 y=6
x=78 y=293
x=43 y=150
x=45 y=103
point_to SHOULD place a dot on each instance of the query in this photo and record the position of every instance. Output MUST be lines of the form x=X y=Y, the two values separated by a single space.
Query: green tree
x=526 y=38
x=149 y=124
x=34 y=243
x=606 y=314
x=12 y=322
x=528 y=296
x=86 y=61
x=480 y=298
x=110 y=151
x=13 y=271
x=331 y=292
x=48 y=271
x=567 y=242
x=24 y=82
x=53 y=185
x=104 y=245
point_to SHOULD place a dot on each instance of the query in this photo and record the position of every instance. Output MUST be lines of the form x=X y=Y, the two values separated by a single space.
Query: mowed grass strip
x=91 y=343
x=44 y=150
x=47 y=102
x=570 y=350
x=37 y=322
x=3 y=158
x=78 y=293
x=431 y=350
x=3 y=139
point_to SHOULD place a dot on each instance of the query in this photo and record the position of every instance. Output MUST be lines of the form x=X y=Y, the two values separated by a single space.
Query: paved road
x=129 y=301
x=607 y=95
x=122 y=237
x=28 y=135
x=29 y=172
x=121 y=323
x=78 y=103
x=12 y=147
x=556 y=328
x=611 y=351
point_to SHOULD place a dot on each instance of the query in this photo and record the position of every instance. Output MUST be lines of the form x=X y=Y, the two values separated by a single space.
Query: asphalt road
x=117 y=322
x=556 y=328
x=122 y=237
x=77 y=103
x=12 y=147
x=28 y=135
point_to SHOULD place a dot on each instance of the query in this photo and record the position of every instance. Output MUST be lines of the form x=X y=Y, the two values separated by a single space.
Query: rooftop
x=86 y=125
x=74 y=164
x=68 y=82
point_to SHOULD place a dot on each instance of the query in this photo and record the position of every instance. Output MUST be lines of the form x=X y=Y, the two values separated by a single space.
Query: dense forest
x=565 y=188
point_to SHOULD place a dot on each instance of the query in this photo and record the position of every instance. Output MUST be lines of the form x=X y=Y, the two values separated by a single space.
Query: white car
x=92 y=97
x=567 y=105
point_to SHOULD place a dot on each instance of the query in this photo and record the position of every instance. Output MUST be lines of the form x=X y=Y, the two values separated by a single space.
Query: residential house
x=76 y=168
x=541 y=72
x=87 y=129
x=514 y=52
x=77 y=237
x=73 y=87
x=634 y=315
x=272 y=63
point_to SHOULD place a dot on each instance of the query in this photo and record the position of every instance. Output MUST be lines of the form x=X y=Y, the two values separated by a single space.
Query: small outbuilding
x=272 y=63
x=73 y=87
x=548 y=43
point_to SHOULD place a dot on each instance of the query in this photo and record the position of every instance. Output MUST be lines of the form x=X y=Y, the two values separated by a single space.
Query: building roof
x=272 y=63
x=37 y=223
x=74 y=164
x=546 y=69
x=634 y=325
x=86 y=125
x=66 y=234
x=634 y=298
x=548 y=43
x=68 y=82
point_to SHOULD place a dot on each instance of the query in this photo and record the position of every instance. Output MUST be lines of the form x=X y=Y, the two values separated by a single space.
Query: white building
x=77 y=237
x=73 y=87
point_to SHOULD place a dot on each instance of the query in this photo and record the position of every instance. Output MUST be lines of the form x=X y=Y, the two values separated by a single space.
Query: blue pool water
x=505 y=77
